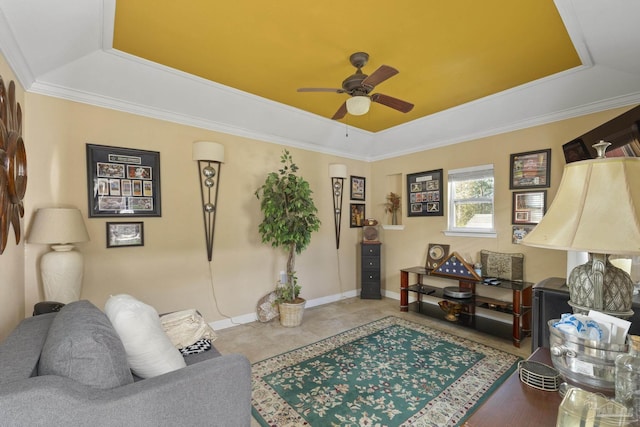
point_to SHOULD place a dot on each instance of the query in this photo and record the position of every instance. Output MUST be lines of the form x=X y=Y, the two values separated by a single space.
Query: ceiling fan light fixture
x=358 y=105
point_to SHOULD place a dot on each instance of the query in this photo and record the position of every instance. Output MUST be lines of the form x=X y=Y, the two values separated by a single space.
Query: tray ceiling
x=472 y=69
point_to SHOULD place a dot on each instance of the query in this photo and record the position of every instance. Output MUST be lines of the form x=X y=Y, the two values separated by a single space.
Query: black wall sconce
x=210 y=156
x=337 y=173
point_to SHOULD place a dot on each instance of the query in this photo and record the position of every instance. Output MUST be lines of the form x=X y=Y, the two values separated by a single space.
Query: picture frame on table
x=528 y=207
x=424 y=193
x=358 y=186
x=123 y=182
x=120 y=234
x=531 y=169
x=357 y=215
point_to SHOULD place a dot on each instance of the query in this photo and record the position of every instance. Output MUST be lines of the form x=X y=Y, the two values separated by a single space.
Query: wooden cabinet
x=518 y=310
x=370 y=270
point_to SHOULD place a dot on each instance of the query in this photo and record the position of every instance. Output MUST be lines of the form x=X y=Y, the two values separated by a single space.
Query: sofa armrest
x=214 y=392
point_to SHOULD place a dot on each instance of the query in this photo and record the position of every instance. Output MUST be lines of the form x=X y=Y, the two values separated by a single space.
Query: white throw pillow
x=149 y=349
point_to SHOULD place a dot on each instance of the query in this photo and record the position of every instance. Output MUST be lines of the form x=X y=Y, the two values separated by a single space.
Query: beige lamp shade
x=206 y=150
x=358 y=105
x=337 y=170
x=596 y=209
x=58 y=226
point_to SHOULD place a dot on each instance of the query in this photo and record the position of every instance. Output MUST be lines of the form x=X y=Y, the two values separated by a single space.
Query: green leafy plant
x=289 y=218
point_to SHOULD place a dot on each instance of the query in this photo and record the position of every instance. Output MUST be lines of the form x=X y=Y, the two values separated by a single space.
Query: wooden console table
x=520 y=306
x=517 y=404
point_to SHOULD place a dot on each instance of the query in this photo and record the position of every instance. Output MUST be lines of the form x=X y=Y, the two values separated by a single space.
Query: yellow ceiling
x=447 y=52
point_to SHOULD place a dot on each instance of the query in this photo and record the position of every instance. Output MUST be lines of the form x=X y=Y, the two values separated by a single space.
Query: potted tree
x=289 y=219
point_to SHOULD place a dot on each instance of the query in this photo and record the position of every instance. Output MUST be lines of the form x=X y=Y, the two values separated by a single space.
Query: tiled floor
x=259 y=341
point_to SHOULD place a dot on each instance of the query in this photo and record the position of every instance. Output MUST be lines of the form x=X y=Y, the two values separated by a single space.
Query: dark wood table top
x=516 y=404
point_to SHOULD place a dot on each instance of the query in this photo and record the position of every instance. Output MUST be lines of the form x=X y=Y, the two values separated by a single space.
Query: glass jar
x=628 y=377
x=478 y=268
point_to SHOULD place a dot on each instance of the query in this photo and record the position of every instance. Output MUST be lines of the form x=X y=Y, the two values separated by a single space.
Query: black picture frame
x=123 y=182
x=122 y=234
x=528 y=207
x=358 y=186
x=356 y=215
x=575 y=151
x=424 y=193
x=530 y=169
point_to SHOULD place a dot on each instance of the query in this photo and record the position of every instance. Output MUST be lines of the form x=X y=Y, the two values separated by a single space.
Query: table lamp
x=62 y=268
x=596 y=210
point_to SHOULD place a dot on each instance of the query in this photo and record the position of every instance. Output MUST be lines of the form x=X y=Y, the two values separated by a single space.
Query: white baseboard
x=252 y=317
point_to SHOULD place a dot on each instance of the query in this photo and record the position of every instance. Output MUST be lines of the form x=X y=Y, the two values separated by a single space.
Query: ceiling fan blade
x=395 y=103
x=379 y=75
x=342 y=111
x=320 y=89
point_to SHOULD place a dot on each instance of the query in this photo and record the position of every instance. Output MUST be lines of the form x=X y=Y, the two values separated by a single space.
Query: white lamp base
x=62 y=271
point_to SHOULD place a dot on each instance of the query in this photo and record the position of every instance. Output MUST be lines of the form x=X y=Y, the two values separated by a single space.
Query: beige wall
x=408 y=247
x=171 y=271
x=12 y=259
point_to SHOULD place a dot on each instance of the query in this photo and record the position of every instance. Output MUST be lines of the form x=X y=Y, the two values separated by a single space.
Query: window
x=471 y=201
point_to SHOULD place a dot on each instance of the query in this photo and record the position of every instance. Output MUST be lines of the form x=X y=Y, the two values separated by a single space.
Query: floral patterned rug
x=391 y=372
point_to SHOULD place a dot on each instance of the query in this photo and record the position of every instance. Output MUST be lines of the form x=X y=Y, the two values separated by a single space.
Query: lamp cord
x=339 y=274
x=215 y=299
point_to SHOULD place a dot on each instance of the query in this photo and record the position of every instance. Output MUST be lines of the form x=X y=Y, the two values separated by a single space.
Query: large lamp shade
x=597 y=210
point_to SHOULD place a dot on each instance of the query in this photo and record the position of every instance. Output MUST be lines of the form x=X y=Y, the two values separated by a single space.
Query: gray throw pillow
x=83 y=345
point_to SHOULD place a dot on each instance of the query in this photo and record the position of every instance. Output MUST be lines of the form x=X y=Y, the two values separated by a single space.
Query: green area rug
x=391 y=372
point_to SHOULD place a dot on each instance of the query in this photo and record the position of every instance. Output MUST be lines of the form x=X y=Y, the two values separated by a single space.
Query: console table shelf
x=519 y=308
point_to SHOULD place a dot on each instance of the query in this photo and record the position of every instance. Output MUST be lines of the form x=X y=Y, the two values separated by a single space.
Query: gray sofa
x=212 y=390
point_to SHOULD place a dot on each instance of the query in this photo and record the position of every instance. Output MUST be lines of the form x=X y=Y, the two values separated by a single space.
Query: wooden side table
x=516 y=404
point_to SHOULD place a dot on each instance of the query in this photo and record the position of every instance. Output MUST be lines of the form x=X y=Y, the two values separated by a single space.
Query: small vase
x=394 y=218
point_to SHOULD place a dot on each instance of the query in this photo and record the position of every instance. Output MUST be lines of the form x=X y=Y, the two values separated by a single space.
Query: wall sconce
x=62 y=268
x=210 y=156
x=337 y=173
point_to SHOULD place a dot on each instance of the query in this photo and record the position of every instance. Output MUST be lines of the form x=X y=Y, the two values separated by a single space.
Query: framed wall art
x=575 y=150
x=424 y=191
x=528 y=207
x=122 y=182
x=357 y=187
x=530 y=169
x=519 y=233
x=125 y=234
x=357 y=214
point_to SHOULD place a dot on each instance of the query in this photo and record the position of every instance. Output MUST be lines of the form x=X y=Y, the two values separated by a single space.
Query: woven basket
x=291 y=314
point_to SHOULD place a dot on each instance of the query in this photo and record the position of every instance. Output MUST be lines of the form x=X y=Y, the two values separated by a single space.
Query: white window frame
x=463 y=174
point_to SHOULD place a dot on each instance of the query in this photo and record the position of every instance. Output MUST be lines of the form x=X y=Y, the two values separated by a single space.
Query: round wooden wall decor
x=13 y=164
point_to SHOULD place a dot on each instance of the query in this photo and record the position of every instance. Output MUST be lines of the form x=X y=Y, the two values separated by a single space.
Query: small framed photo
x=575 y=150
x=530 y=169
x=357 y=187
x=519 y=232
x=121 y=234
x=357 y=215
x=529 y=206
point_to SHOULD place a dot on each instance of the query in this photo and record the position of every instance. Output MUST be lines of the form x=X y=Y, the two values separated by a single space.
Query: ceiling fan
x=359 y=85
